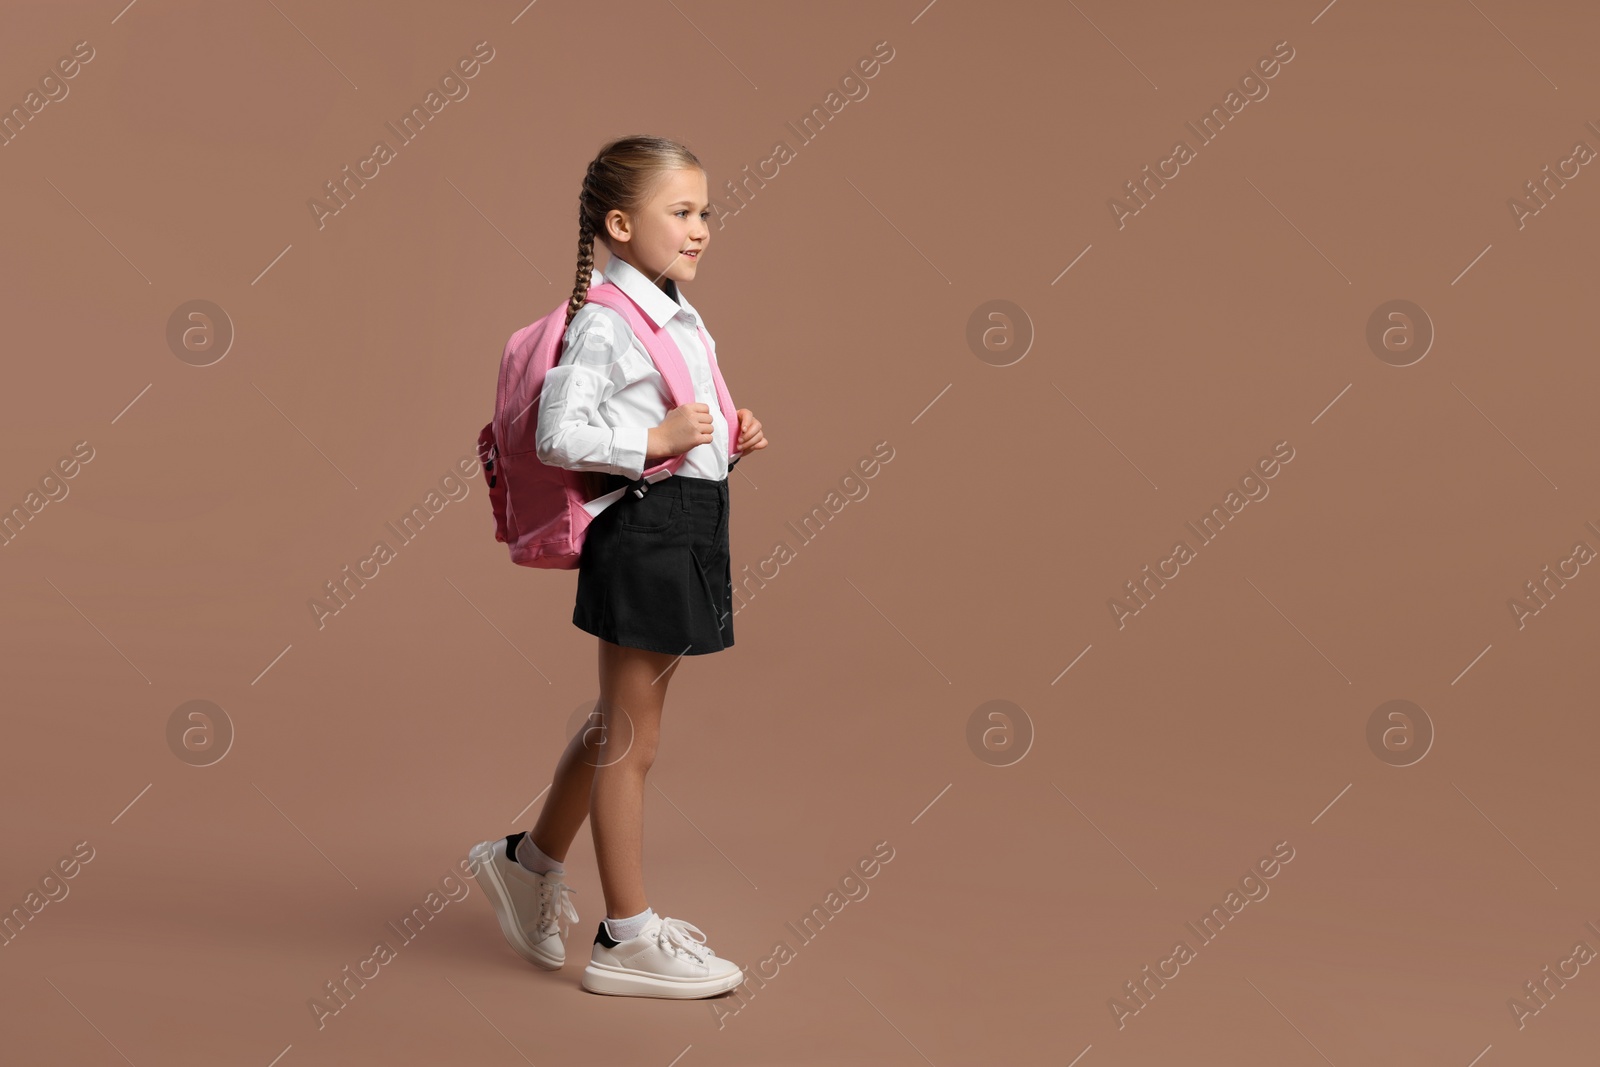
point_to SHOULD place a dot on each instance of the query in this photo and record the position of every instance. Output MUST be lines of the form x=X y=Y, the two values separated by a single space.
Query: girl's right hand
x=684 y=427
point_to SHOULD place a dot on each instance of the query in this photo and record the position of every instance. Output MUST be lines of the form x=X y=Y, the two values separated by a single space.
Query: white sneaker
x=530 y=906
x=667 y=959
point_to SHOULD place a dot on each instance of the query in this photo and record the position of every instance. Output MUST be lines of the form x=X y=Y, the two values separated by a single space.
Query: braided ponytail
x=580 y=288
x=619 y=178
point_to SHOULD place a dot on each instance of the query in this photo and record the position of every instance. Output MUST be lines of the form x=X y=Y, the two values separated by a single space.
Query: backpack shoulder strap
x=663 y=351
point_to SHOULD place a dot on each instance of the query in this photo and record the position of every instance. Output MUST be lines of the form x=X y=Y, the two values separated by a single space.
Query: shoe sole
x=494 y=887
x=624 y=982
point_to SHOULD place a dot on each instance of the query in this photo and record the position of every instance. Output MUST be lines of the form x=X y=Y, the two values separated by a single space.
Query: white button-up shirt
x=600 y=400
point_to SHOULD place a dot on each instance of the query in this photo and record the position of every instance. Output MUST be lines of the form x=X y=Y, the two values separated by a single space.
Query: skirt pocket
x=655 y=512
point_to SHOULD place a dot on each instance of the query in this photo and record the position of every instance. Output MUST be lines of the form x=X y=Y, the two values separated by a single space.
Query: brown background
x=1229 y=715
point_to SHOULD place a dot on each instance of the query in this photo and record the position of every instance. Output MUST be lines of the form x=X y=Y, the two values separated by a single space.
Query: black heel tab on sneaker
x=512 y=842
x=603 y=937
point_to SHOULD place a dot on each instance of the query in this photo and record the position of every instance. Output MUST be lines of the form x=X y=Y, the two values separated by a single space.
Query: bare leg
x=568 y=803
x=603 y=771
x=633 y=688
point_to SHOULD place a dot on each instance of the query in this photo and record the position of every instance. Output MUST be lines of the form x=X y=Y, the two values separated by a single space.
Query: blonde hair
x=620 y=177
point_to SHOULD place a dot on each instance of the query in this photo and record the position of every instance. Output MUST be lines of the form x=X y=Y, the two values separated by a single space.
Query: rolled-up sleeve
x=571 y=432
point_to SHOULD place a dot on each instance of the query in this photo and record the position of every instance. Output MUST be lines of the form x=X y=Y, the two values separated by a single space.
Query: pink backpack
x=538 y=508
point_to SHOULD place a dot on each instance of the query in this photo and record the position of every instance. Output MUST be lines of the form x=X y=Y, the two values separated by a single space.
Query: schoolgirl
x=655 y=581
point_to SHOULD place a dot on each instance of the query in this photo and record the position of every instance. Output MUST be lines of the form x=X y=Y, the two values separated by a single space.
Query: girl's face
x=668 y=236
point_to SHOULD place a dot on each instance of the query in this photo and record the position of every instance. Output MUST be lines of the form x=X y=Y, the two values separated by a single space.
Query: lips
x=692 y=253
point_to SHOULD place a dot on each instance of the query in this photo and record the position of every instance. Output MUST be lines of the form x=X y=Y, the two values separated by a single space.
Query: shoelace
x=674 y=935
x=554 y=905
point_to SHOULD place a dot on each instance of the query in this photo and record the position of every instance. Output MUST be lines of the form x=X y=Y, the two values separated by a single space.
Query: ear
x=618 y=226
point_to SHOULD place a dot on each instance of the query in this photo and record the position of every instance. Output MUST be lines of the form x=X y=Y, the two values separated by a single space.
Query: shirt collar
x=650 y=297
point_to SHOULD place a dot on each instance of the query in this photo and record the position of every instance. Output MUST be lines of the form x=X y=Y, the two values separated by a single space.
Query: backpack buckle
x=648 y=480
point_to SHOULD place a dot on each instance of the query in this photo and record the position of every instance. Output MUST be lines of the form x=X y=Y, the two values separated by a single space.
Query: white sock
x=533 y=858
x=633 y=926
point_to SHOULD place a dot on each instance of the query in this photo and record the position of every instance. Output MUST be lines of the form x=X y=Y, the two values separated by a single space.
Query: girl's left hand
x=751 y=439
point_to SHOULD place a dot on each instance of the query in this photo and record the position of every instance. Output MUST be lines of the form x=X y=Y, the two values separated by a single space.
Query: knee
x=591 y=736
x=642 y=753
x=616 y=747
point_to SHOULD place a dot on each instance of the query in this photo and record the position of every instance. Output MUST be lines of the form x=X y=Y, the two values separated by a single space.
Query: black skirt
x=655 y=571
